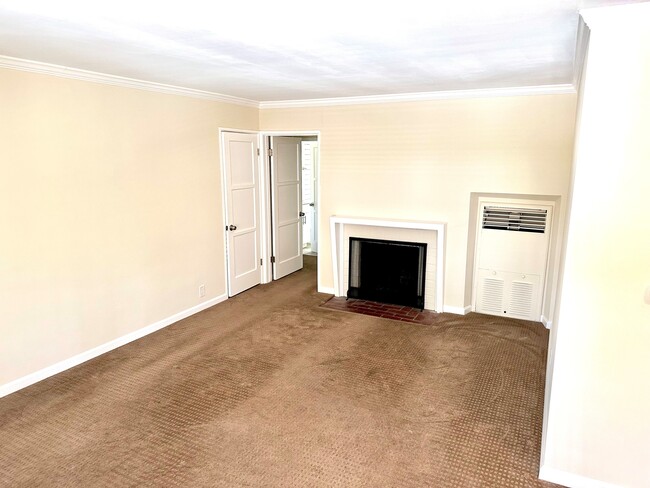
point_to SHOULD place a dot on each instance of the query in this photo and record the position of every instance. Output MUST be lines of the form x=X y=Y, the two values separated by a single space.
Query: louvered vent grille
x=514 y=219
x=521 y=300
x=492 y=295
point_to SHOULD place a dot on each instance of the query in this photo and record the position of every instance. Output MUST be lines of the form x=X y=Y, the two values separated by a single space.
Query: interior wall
x=598 y=428
x=422 y=160
x=110 y=209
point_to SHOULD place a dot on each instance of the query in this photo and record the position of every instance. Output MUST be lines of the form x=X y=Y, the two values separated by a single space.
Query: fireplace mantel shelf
x=337 y=223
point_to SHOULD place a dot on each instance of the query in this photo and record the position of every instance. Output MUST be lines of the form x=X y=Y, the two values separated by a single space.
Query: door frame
x=265 y=179
x=264 y=169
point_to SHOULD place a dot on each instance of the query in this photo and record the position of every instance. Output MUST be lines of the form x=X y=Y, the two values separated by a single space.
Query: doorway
x=293 y=200
x=309 y=152
x=270 y=218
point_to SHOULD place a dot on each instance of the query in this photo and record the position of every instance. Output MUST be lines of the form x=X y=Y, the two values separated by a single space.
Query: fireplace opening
x=387 y=271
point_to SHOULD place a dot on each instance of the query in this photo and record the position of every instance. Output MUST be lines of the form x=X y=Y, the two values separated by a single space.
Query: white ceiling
x=292 y=50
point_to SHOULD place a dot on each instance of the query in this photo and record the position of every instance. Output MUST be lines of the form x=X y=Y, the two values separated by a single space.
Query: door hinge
x=261 y=262
x=258 y=151
x=273 y=259
x=270 y=152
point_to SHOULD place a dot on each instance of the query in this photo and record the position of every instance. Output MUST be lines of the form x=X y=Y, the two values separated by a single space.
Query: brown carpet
x=268 y=389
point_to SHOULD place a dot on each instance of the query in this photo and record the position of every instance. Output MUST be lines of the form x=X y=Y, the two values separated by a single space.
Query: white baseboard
x=572 y=480
x=56 y=368
x=547 y=323
x=457 y=310
x=326 y=289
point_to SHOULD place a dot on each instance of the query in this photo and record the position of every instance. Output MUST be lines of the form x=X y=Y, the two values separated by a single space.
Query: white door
x=242 y=211
x=286 y=174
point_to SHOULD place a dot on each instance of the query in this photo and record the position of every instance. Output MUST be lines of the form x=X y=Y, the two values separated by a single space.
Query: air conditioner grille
x=521 y=299
x=514 y=219
x=492 y=299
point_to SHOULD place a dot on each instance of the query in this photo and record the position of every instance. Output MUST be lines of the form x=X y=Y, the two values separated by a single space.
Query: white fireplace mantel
x=337 y=224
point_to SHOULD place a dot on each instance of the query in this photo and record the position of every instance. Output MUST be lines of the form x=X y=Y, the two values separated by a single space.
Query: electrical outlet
x=201 y=291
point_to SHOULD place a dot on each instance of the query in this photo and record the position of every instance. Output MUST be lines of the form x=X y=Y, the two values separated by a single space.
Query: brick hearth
x=376 y=309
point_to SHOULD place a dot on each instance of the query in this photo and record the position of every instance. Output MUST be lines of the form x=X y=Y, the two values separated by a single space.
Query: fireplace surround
x=432 y=233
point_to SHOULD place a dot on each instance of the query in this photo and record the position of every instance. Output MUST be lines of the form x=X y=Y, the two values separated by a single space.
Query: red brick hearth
x=376 y=309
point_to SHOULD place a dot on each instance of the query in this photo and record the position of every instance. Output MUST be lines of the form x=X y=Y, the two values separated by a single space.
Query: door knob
x=312 y=204
x=302 y=214
x=232 y=227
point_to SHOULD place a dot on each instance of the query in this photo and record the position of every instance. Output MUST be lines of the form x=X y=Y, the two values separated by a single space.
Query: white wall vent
x=514 y=219
x=521 y=299
x=492 y=296
x=511 y=256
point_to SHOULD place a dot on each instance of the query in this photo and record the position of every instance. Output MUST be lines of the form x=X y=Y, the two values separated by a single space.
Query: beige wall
x=598 y=413
x=421 y=161
x=111 y=197
x=110 y=212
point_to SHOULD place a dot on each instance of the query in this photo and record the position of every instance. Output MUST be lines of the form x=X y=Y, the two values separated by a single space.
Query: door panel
x=288 y=245
x=243 y=208
x=242 y=211
x=288 y=203
x=286 y=198
x=244 y=253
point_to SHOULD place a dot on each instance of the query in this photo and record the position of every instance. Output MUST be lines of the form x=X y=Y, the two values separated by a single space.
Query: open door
x=286 y=175
x=242 y=211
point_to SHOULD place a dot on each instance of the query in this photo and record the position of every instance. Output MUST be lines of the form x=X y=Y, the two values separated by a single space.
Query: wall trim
x=9 y=62
x=582 y=44
x=61 y=366
x=106 y=79
x=572 y=480
x=547 y=323
x=424 y=96
x=457 y=310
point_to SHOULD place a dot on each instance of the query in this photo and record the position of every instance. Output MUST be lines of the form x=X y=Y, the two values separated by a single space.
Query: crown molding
x=582 y=45
x=106 y=79
x=417 y=97
x=94 y=77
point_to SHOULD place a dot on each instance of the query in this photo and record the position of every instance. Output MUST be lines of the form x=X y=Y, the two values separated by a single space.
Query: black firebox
x=387 y=271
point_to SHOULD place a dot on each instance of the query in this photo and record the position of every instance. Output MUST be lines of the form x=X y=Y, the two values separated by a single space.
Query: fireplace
x=431 y=233
x=387 y=271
